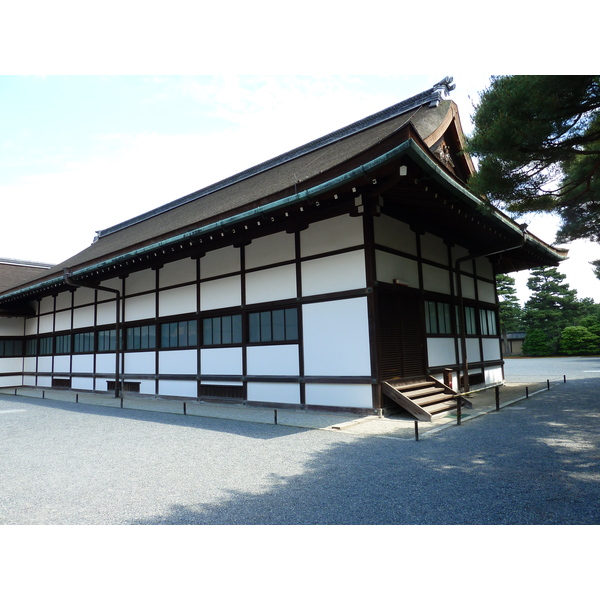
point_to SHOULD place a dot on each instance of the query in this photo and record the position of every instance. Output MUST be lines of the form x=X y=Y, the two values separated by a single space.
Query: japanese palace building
x=307 y=281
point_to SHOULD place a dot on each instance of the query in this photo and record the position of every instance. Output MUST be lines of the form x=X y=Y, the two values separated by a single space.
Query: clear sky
x=82 y=153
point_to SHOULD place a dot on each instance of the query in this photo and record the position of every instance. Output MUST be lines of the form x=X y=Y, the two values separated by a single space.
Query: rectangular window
x=107 y=340
x=83 y=342
x=487 y=320
x=62 y=344
x=141 y=338
x=45 y=346
x=181 y=334
x=274 y=325
x=11 y=348
x=437 y=318
x=222 y=330
x=470 y=321
x=31 y=347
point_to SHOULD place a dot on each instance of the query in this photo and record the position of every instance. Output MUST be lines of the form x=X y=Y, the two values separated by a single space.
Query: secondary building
x=332 y=276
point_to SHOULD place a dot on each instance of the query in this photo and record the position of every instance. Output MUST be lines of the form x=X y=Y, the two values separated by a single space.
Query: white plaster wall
x=473 y=353
x=283 y=393
x=344 y=395
x=336 y=338
x=44 y=381
x=273 y=360
x=493 y=375
x=491 y=349
x=221 y=361
x=84 y=296
x=31 y=326
x=11 y=381
x=436 y=279
x=140 y=307
x=63 y=320
x=441 y=351
x=147 y=386
x=221 y=293
x=270 y=249
x=468 y=286
x=334 y=273
x=486 y=291
x=29 y=363
x=185 y=389
x=46 y=323
x=220 y=262
x=11 y=364
x=115 y=283
x=82 y=383
x=433 y=248
x=332 y=234
x=62 y=364
x=178 y=362
x=83 y=317
x=459 y=252
x=484 y=268
x=105 y=363
x=105 y=313
x=63 y=300
x=29 y=380
x=138 y=362
x=83 y=363
x=47 y=304
x=180 y=271
x=142 y=281
x=45 y=363
x=178 y=301
x=395 y=234
x=12 y=326
x=277 y=283
x=390 y=267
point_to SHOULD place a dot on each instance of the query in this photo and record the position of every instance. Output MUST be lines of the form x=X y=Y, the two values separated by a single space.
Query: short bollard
x=497 y=390
x=548 y=383
x=564 y=379
x=416 y=431
x=76 y=398
x=458 y=411
x=526 y=392
x=275 y=416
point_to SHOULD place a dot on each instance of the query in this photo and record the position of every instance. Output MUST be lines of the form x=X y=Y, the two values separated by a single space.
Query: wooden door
x=401 y=334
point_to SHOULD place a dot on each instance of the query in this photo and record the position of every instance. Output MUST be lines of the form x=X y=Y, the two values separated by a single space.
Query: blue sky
x=82 y=153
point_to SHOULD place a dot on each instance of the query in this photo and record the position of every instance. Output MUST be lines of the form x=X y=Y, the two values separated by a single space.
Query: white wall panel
x=142 y=281
x=273 y=360
x=177 y=301
x=47 y=304
x=491 y=349
x=62 y=364
x=334 y=273
x=44 y=364
x=12 y=326
x=106 y=313
x=268 y=285
x=433 y=248
x=493 y=375
x=332 y=234
x=31 y=326
x=105 y=363
x=345 y=395
x=139 y=362
x=441 y=351
x=178 y=362
x=221 y=293
x=270 y=249
x=83 y=317
x=395 y=234
x=336 y=338
x=11 y=364
x=84 y=296
x=63 y=320
x=83 y=363
x=487 y=291
x=82 y=383
x=11 y=381
x=185 y=389
x=140 y=307
x=468 y=286
x=221 y=361
x=63 y=300
x=390 y=267
x=180 y=271
x=29 y=363
x=220 y=262
x=436 y=279
x=46 y=323
x=29 y=380
x=484 y=268
x=282 y=393
x=473 y=352
x=43 y=381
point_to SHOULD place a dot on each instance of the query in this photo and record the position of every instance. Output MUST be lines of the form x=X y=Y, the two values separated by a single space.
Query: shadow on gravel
x=537 y=462
x=244 y=428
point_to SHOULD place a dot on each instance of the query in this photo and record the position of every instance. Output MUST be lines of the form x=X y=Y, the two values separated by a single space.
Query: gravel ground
x=536 y=462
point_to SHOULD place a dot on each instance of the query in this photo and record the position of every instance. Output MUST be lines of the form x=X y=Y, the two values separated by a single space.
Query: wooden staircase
x=422 y=398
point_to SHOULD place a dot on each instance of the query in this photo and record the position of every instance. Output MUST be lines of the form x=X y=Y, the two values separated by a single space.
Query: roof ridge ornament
x=440 y=89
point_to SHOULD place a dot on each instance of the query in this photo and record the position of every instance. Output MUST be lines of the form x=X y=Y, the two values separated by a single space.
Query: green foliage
x=510 y=311
x=537 y=138
x=577 y=341
x=537 y=343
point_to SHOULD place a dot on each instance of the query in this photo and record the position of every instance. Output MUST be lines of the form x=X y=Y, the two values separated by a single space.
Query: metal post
x=564 y=378
x=497 y=389
x=458 y=410
x=184 y=409
x=416 y=431
x=76 y=398
x=275 y=416
x=548 y=383
x=526 y=392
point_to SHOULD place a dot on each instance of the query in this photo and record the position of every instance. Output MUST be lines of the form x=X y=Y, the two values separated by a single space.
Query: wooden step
x=443 y=407
x=422 y=392
x=429 y=400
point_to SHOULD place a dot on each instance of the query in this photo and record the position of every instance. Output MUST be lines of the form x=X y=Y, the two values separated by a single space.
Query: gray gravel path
x=537 y=462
